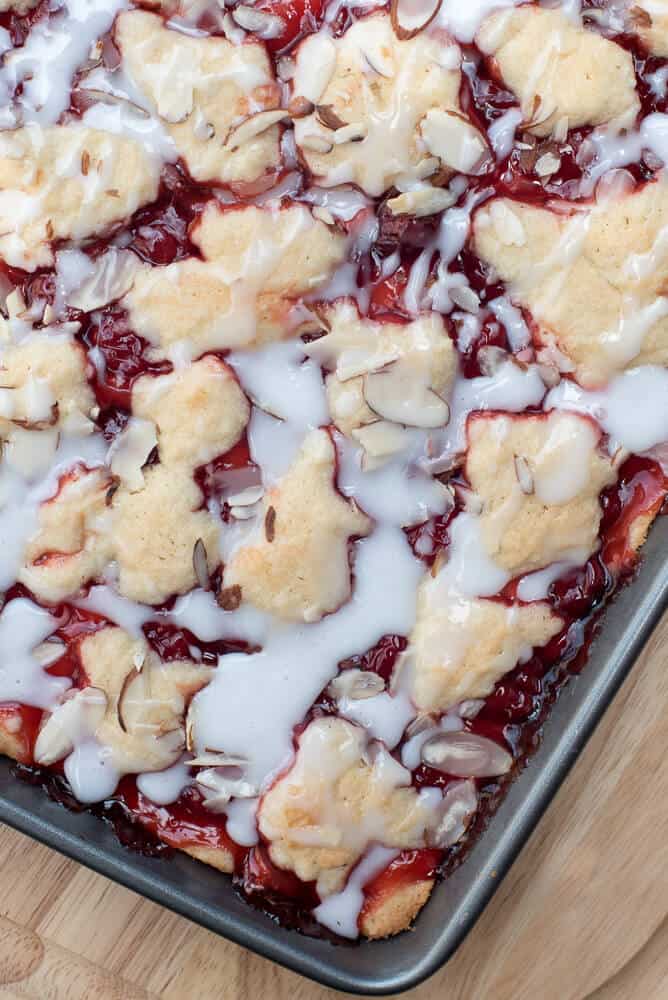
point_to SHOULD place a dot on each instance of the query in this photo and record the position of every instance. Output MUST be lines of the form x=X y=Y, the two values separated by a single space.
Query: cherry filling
x=121 y=358
x=20 y=25
x=514 y=713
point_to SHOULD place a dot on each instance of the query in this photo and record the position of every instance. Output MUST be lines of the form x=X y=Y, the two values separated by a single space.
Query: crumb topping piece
x=594 y=278
x=538 y=479
x=649 y=19
x=135 y=704
x=199 y=411
x=236 y=297
x=281 y=570
x=335 y=800
x=204 y=89
x=66 y=182
x=560 y=70
x=460 y=647
x=382 y=111
x=385 y=371
x=43 y=384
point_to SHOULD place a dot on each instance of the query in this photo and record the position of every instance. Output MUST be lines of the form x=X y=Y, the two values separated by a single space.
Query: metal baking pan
x=382 y=967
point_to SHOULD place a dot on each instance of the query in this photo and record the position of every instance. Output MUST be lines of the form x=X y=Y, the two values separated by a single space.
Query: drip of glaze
x=633 y=408
x=341 y=911
x=21 y=493
x=54 y=49
x=22 y=627
x=164 y=787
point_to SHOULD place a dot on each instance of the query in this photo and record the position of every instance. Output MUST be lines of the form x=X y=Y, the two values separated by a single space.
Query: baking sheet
x=381 y=967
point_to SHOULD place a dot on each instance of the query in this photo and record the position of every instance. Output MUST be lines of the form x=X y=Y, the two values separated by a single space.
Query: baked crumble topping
x=333 y=345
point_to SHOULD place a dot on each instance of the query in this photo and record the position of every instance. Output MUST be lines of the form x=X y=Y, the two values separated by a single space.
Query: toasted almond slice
x=411 y=16
x=328 y=117
x=300 y=107
x=399 y=396
x=253 y=126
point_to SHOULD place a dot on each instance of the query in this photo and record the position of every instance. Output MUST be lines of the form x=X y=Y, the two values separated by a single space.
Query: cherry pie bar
x=333 y=409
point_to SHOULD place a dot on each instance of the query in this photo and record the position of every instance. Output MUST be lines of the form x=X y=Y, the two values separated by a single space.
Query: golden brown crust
x=110 y=177
x=394 y=911
x=560 y=70
x=216 y=857
x=14 y=740
x=235 y=297
x=585 y=272
x=219 y=84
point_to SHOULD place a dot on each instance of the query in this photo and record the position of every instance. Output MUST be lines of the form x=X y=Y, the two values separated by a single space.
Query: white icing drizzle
x=341 y=911
x=53 y=51
x=633 y=408
x=22 y=627
x=254 y=701
x=164 y=787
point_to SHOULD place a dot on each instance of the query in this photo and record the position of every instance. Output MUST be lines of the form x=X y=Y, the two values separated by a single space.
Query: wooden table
x=583 y=913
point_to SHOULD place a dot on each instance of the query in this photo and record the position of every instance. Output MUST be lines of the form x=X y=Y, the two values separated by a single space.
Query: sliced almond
x=261 y=22
x=218 y=790
x=113 y=276
x=547 y=164
x=328 y=117
x=253 y=126
x=541 y=110
x=381 y=441
x=300 y=107
x=411 y=16
x=76 y=719
x=358 y=685
x=455 y=141
x=507 y=225
x=130 y=451
x=459 y=804
x=421 y=202
x=466 y=755
x=316 y=60
x=201 y=565
x=398 y=395
x=217 y=758
x=464 y=297
x=523 y=473
x=247 y=497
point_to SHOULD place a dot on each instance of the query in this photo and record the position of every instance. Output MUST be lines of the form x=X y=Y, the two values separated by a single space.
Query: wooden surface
x=584 y=912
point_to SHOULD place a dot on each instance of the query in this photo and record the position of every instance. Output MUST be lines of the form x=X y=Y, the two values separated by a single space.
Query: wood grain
x=583 y=913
